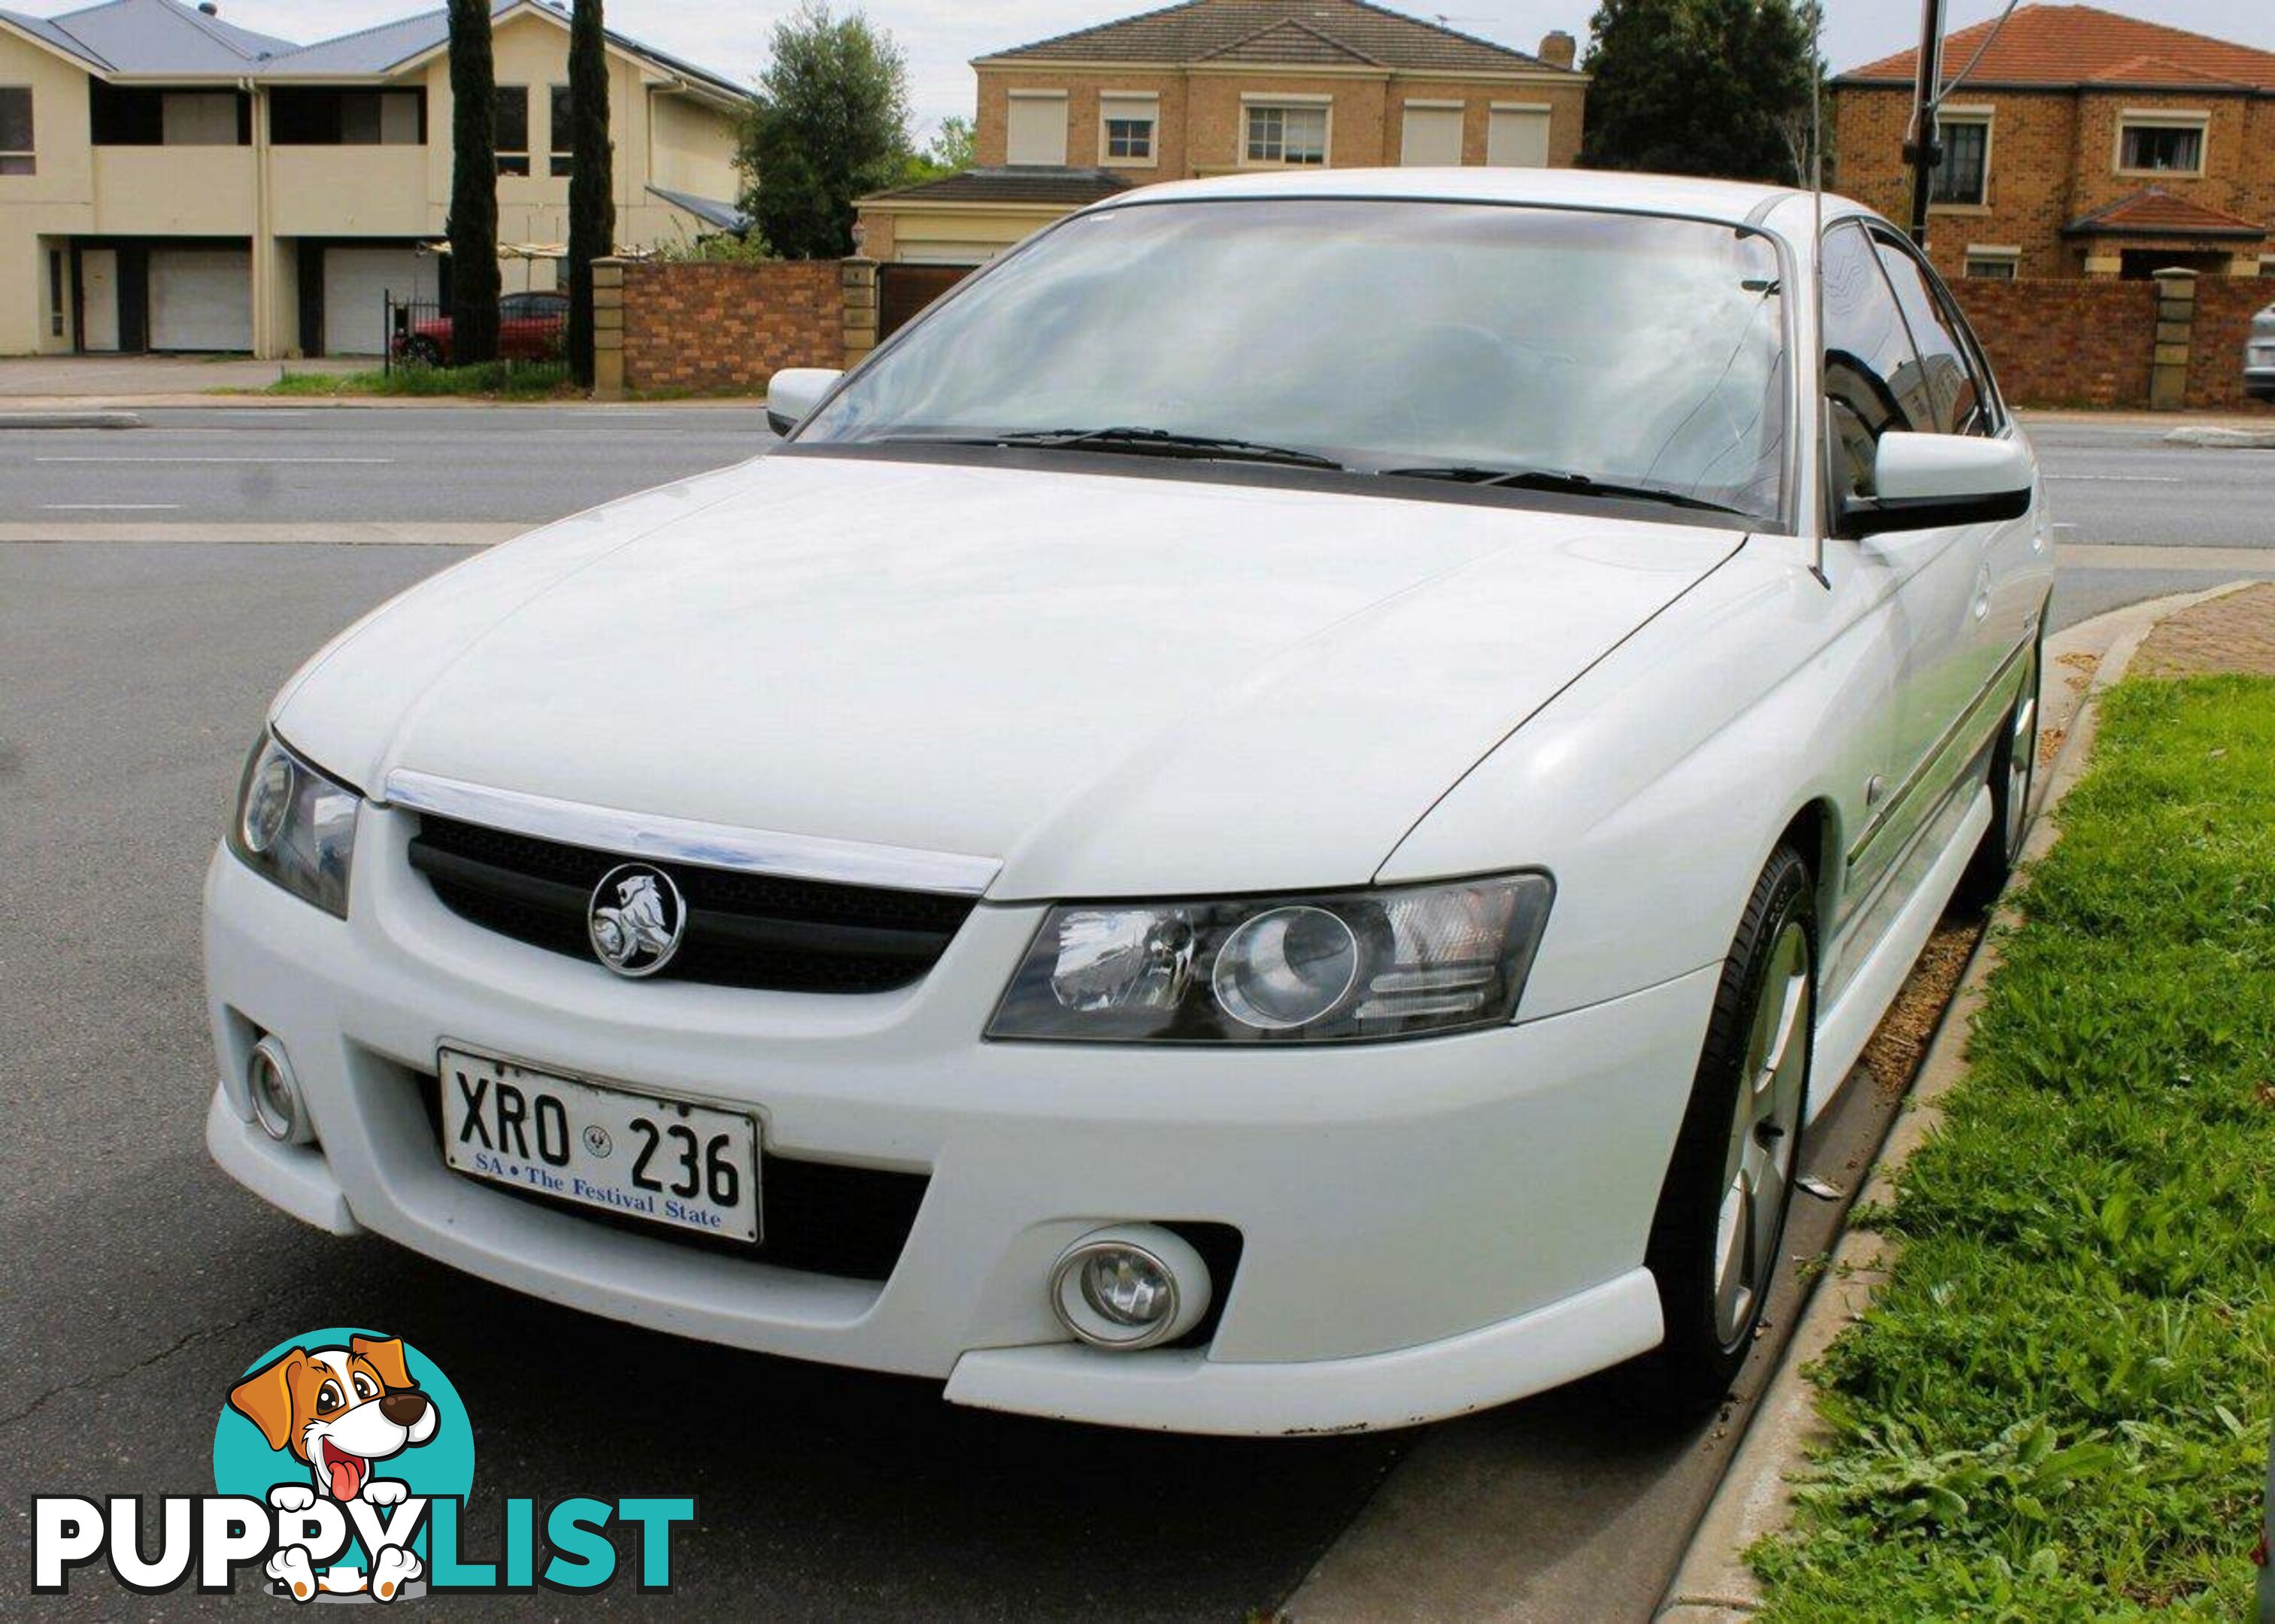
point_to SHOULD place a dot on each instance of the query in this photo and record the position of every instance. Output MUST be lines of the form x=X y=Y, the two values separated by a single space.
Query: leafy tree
x=830 y=125
x=592 y=176
x=1702 y=87
x=473 y=226
x=949 y=154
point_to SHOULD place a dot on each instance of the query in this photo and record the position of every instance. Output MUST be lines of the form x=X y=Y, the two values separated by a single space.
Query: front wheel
x=1714 y=1241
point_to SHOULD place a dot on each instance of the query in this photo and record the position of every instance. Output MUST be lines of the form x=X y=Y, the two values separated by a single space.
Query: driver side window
x=1873 y=379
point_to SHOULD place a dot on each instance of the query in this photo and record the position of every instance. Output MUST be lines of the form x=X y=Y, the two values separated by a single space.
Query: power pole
x=1924 y=151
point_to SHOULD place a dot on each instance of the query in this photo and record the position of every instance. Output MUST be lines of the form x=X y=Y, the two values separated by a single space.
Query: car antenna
x=1817 y=260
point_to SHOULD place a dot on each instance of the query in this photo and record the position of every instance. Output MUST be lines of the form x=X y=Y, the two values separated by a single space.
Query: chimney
x=1558 y=49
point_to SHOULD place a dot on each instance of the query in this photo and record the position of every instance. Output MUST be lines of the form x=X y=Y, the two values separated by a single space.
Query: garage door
x=357 y=284
x=201 y=298
x=903 y=290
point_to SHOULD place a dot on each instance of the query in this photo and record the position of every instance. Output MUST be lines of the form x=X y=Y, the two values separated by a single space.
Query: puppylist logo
x=343 y=1461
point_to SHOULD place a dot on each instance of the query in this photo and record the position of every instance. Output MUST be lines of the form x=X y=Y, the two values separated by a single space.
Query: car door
x=1922 y=585
x=2007 y=591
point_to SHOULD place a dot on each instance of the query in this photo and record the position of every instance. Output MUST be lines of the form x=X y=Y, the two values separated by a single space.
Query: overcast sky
x=941 y=36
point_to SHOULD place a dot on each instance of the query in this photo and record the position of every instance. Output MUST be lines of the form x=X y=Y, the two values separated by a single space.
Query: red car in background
x=531 y=327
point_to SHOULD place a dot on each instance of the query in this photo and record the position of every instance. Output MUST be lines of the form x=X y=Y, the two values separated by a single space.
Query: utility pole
x=1924 y=151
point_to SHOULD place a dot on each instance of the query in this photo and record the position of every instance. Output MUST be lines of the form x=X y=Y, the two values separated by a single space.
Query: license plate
x=679 y=1166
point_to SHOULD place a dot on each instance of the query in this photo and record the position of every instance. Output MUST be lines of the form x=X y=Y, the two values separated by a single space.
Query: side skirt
x=1848 y=1024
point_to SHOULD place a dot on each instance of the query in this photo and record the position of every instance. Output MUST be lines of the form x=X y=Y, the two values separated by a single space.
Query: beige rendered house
x=171 y=182
x=1216 y=88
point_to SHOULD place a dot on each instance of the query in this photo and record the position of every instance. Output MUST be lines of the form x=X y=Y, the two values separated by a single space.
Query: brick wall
x=2225 y=307
x=726 y=329
x=2066 y=344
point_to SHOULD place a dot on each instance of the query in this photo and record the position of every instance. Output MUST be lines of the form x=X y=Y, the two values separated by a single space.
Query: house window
x=1037 y=132
x=16 y=130
x=312 y=117
x=2161 y=148
x=1126 y=127
x=564 y=132
x=1991 y=264
x=513 y=129
x=1963 y=177
x=1430 y=136
x=1284 y=134
x=1516 y=137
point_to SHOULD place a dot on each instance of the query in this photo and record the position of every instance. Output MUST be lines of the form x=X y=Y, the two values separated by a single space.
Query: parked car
x=531 y=327
x=1274 y=820
x=2259 y=357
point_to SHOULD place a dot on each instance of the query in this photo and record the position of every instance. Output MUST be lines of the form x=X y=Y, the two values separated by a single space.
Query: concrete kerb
x=1715 y=1584
x=63 y=418
x=2215 y=437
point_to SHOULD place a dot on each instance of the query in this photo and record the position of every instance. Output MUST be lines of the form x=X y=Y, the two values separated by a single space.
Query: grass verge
x=492 y=379
x=2058 y=1407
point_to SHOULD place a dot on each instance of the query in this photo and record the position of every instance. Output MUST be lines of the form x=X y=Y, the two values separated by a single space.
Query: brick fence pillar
x=2176 y=320
x=859 y=278
x=608 y=329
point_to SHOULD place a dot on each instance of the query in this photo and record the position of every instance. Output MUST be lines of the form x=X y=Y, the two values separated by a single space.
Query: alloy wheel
x=1765 y=1136
x=2023 y=759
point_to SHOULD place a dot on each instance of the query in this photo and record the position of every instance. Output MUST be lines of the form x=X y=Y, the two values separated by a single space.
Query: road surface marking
x=2122 y=478
x=371 y=460
x=111 y=507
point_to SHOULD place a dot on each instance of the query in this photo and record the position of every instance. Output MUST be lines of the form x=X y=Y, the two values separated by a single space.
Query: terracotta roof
x=2155 y=212
x=2068 y=46
x=1308 y=32
x=1013 y=184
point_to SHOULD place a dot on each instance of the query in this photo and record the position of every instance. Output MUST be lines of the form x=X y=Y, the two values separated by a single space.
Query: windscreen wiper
x=1148 y=442
x=1573 y=483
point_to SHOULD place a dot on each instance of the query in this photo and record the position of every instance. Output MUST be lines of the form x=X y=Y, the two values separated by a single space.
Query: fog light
x=276 y=1094
x=1134 y=1287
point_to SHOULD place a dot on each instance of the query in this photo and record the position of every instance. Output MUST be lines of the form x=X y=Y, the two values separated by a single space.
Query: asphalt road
x=137 y=1279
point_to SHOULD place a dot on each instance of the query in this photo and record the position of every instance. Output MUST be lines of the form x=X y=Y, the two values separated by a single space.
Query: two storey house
x=2080 y=142
x=170 y=181
x=1215 y=87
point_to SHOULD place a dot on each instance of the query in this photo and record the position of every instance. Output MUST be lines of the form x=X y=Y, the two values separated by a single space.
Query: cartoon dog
x=339 y=1411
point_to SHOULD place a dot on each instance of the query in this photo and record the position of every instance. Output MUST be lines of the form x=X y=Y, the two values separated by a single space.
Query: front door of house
x=98 y=292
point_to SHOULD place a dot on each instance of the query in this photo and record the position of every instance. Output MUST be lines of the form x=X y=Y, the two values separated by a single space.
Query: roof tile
x=2155 y=212
x=1239 y=30
x=2069 y=46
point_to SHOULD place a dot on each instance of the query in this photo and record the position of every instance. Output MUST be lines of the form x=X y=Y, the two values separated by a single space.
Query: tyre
x=1715 y=1239
x=2014 y=772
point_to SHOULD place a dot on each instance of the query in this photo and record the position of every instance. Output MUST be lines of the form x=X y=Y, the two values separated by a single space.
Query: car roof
x=1738 y=202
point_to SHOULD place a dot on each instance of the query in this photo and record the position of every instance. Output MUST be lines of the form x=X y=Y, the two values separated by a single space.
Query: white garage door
x=357 y=284
x=201 y=298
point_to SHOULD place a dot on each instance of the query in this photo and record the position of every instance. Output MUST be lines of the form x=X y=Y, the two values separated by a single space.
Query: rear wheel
x=1715 y=1240
x=2014 y=772
x=423 y=352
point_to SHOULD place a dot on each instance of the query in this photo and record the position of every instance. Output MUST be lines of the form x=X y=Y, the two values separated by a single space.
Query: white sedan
x=1274 y=820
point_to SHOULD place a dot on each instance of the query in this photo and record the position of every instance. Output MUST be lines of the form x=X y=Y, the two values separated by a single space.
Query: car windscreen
x=1636 y=350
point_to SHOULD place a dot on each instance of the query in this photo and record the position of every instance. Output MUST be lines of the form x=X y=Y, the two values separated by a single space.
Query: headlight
x=1372 y=964
x=295 y=827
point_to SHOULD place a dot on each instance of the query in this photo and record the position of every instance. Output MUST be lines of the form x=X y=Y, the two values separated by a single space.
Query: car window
x=1873 y=379
x=1383 y=335
x=1960 y=402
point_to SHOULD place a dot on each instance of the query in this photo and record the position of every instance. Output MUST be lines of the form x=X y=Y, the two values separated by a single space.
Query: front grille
x=815 y=1217
x=742 y=930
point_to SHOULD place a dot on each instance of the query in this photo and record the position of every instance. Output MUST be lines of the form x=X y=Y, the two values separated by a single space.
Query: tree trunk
x=591 y=179
x=474 y=286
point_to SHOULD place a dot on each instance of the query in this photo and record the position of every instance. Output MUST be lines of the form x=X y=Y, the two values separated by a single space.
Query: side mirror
x=1927 y=481
x=793 y=393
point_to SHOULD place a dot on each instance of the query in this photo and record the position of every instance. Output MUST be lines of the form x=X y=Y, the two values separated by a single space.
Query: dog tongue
x=346 y=1472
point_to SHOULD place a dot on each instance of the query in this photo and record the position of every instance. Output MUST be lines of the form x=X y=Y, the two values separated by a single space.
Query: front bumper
x=1427 y=1228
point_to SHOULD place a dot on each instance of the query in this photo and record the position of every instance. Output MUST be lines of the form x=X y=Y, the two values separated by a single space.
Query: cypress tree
x=474 y=282
x=591 y=177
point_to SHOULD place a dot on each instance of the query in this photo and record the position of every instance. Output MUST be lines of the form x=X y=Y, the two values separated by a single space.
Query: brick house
x=1216 y=88
x=2082 y=143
